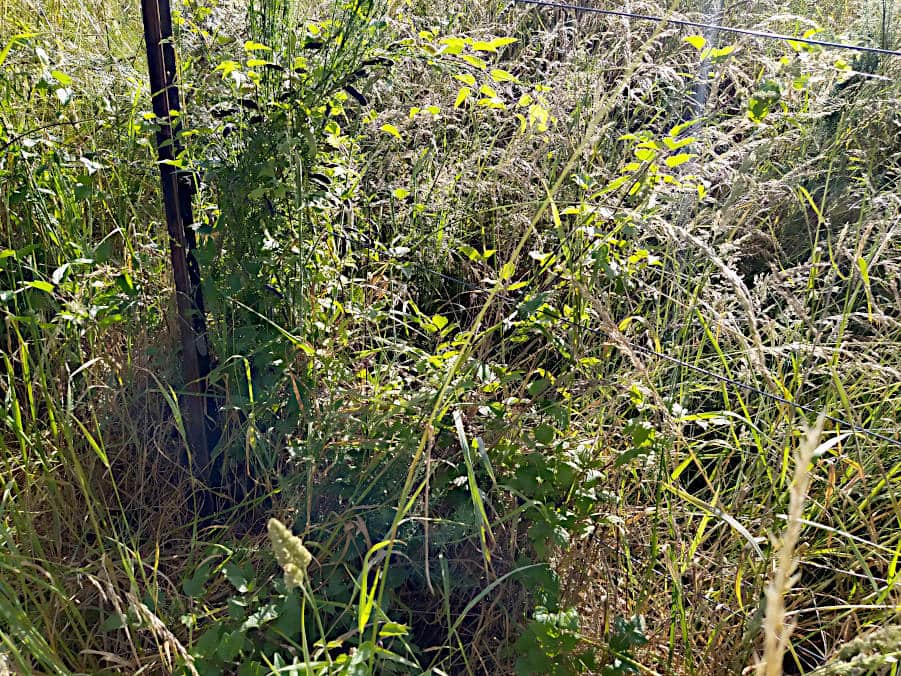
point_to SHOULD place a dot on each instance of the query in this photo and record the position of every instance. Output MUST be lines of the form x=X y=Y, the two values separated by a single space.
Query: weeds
x=442 y=252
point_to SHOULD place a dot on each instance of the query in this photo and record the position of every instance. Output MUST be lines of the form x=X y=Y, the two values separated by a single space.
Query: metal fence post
x=177 y=188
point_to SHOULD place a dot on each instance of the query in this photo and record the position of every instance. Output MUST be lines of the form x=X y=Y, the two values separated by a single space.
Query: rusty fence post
x=177 y=189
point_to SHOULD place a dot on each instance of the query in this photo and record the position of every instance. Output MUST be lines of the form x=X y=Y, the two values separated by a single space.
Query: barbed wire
x=766 y=35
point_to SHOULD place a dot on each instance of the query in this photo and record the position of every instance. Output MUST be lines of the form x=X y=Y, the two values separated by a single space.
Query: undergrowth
x=512 y=312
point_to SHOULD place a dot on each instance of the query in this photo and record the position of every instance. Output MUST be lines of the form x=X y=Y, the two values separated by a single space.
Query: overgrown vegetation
x=509 y=309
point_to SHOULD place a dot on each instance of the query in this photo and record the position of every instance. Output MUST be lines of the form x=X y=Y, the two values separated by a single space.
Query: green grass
x=431 y=316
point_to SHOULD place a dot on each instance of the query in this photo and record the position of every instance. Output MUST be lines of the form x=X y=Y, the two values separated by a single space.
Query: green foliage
x=442 y=252
x=550 y=645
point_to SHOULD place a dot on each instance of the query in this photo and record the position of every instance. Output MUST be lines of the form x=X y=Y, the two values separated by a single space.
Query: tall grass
x=437 y=341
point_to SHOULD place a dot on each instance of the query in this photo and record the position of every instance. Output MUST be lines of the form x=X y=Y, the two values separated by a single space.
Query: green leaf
x=263 y=615
x=491 y=45
x=231 y=645
x=453 y=45
x=60 y=273
x=251 y=46
x=544 y=434
x=696 y=41
x=61 y=77
x=499 y=75
x=864 y=270
x=113 y=622
x=674 y=144
x=462 y=95
x=390 y=129
x=466 y=78
x=507 y=271
x=718 y=55
x=536 y=387
x=393 y=629
x=470 y=252
x=675 y=160
x=40 y=285
x=253 y=668
x=208 y=642
x=238 y=577
x=20 y=37
x=633 y=453
x=194 y=586
x=475 y=61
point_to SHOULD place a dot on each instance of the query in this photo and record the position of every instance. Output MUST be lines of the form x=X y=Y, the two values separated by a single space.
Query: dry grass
x=761 y=281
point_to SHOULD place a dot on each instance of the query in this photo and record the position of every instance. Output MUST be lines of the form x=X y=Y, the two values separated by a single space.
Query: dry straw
x=776 y=631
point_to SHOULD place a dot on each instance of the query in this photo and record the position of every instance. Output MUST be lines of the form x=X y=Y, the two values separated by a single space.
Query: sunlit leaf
x=475 y=61
x=499 y=75
x=696 y=41
x=676 y=160
x=390 y=129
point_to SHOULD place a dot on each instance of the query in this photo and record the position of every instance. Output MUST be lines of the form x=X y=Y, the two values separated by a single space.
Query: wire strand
x=708 y=26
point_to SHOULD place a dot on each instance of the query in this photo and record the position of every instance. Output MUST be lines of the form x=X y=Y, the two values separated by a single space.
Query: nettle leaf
x=462 y=95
